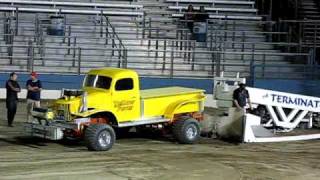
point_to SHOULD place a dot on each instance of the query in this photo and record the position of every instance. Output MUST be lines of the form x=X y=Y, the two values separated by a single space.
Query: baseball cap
x=242 y=84
x=34 y=74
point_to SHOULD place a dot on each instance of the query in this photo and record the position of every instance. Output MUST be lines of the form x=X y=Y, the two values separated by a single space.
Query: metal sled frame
x=286 y=111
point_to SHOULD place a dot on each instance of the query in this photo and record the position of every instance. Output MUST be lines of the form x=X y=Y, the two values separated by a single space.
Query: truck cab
x=115 y=90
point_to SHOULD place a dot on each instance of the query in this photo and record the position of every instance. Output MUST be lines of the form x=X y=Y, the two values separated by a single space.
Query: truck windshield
x=97 y=81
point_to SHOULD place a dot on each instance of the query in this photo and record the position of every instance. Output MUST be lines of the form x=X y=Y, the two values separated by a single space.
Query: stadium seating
x=215 y=10
x=25 y=6
x=56 y=4
x=213 y=2
x=146 y=35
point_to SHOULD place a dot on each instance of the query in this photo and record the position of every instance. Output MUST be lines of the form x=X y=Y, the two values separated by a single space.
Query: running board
x=143 y=122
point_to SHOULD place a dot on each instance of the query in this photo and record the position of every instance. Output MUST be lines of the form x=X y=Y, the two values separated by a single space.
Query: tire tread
x=91 y=135
x=178 y=130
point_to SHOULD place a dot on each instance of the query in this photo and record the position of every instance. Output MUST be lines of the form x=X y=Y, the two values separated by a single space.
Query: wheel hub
x=104 y=138
x=191 y=132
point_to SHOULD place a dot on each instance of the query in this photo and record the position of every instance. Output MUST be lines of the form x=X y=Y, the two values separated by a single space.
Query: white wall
x=45 y=94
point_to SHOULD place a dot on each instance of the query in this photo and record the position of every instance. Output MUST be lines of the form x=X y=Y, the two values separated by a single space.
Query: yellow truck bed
x=168 y=91
x=156 y=102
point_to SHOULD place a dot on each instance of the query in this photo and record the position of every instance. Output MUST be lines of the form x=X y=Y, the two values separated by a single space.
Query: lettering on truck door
x=126 y=99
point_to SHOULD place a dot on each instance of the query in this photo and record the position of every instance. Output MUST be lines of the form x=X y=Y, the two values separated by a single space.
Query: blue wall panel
x=49 y=81
x=147 y=83
x=305 y=87
x=53 y=81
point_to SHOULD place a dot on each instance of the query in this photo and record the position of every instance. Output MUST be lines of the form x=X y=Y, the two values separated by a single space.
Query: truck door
x=126 y=100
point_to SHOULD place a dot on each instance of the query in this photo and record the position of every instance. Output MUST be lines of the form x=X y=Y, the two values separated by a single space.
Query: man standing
x=200 y=26
x=202 y=15
x=241 y=97
x=34 y=88
x=189 y=17
x=13 y=88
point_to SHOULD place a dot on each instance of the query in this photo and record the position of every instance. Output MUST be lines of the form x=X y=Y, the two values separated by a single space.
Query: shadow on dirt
x=28 y=141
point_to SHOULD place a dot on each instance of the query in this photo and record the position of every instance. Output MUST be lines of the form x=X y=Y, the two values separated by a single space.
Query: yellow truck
x=110 y=100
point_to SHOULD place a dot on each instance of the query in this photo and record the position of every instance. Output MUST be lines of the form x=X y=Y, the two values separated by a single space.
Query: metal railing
x=167 y=62
x=122 y=51
x=106 y=32
x=54 y=4
x=162 y=57
x=285 y=35
x=30 y=59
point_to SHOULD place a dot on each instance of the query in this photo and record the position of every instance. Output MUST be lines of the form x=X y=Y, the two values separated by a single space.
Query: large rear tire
x=99 y=137
x=186 y=130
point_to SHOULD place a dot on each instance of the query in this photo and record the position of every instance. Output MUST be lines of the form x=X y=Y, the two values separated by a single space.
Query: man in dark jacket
x=241 y=97
x=13 y=89
x=202 y=15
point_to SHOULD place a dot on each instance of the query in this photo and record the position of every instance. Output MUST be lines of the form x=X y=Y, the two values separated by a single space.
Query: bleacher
x=217 y=9
x=85 y=32
x=146 y=35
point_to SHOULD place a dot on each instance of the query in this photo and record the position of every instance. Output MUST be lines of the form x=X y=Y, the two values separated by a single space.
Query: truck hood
x=93 y=96
x=96 y=96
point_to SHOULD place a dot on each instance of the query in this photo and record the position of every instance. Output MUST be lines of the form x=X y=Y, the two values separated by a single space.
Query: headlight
x=62 y=112
x=49 y=114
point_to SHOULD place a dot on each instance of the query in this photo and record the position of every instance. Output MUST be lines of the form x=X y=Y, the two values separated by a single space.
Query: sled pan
x=255 y=132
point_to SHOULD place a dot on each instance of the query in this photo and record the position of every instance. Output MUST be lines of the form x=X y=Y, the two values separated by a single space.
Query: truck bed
x=156 y=102
x=168 y=91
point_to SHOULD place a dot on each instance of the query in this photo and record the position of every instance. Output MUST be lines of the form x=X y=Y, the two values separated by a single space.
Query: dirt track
x=152 y=158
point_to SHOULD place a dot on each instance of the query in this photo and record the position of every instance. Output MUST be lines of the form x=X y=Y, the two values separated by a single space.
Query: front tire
x=186 y=130
x=99 y=137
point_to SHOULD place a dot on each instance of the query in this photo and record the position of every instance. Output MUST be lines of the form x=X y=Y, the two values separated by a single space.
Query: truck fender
x=95 y=112
x=173 y=107
x=88 y=113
